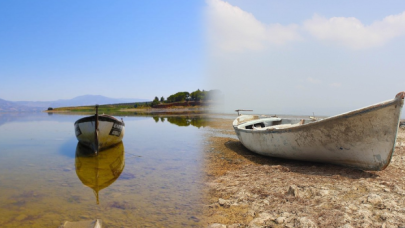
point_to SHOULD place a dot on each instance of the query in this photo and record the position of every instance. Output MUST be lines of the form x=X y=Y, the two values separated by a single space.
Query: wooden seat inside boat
x=269 y=123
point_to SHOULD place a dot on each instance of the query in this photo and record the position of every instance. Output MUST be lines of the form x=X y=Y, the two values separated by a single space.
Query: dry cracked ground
x=249 y=190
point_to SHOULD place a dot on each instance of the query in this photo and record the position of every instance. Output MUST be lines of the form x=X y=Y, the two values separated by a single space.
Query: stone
x=305 y=222
x=398 y=190
x=385 y=215
x=195 y=219
x=262 y=220
x=353 y=207
x=223 y=202
x=374 y=199
x=364 y=213
x=251 y=213
x=366 y=224
x=347 y=218
x=285 y=214
x=217 y=225
x=324 y=192
x=347 y=226
x=280 y=220
x=293 y=190
x=390 y=204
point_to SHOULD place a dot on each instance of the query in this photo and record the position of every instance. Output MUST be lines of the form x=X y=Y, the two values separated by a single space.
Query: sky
x=305 y=57
x=52 y=50
x=272 y=56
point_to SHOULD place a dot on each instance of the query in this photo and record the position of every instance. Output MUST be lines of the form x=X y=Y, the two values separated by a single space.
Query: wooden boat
x=99 y=131
x=363 y=139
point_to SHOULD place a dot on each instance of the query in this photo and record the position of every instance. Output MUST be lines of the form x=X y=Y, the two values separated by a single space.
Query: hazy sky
x=272 y=56
x=122 y=49
x=300 y=57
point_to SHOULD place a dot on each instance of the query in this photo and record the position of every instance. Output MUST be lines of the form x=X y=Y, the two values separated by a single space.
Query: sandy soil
x=248 y=190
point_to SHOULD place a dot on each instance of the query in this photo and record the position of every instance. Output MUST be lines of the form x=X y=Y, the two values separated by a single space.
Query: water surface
x=45 y=179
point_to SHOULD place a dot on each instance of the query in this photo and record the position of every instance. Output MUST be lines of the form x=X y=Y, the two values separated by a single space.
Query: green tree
x=197 y=95
x=155 y=102
x=162 y=99
x=180 y=96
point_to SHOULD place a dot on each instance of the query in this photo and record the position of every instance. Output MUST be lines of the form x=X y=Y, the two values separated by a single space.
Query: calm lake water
x=152 y=179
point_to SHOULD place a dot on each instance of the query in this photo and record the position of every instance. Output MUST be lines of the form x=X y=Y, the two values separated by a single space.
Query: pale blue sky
x=53 y=50
x=293 y=11
x=325 y=57
x=300 y=57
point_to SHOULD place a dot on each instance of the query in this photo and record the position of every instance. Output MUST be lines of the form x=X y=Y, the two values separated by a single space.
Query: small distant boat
x=99 y=131
x=363 y=139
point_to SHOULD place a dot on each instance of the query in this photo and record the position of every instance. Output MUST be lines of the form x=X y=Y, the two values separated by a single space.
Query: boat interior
x=272 y=123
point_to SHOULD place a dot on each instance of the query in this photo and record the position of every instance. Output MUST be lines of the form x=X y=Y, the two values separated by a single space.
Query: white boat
x=363 y=138
x=99 y=131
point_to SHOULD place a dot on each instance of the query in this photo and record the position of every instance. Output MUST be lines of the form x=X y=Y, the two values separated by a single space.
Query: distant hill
x=9 y=106
x=77 y=101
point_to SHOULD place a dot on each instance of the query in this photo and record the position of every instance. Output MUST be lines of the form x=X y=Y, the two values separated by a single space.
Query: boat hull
x=363 y=139
x=110 y=131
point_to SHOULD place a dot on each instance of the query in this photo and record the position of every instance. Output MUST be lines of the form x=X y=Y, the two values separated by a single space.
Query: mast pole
x=96 y=132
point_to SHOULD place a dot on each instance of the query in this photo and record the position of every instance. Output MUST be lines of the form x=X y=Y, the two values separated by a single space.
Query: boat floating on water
x=362 y=139
x=99 y=131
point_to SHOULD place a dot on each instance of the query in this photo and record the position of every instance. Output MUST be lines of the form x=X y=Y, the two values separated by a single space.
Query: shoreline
x=245 y=189
x=140 y=110
x=134 y=111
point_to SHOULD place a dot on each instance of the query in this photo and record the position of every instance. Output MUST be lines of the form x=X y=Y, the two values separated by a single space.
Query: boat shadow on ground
x=302 y=167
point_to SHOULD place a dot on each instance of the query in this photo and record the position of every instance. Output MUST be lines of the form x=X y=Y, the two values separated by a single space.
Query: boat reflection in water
x=99 y=171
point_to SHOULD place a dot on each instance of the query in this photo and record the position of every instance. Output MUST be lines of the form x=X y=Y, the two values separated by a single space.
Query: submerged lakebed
x=156 y=182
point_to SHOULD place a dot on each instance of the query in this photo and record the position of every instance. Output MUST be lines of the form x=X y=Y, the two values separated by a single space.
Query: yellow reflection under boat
x=99 y=171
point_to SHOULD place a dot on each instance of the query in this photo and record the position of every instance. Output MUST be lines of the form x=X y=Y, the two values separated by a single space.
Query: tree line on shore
x=197 y=95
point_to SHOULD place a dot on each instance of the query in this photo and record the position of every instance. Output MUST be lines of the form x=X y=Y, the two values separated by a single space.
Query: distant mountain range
x=20 y=106
x=10 y=106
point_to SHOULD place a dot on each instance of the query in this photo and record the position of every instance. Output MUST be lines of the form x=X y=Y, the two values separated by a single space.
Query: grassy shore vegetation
x=108 y=108
x=181 y=100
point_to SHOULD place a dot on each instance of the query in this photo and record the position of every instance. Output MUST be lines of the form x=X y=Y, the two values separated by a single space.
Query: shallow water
x=156 y=182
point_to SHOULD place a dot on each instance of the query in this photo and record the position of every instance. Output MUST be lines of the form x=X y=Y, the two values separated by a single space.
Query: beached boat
x=363 y=138
x=99 y=131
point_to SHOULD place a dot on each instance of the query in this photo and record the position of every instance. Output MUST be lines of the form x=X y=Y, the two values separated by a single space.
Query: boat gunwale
x=345 y=115
x=105 y=118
